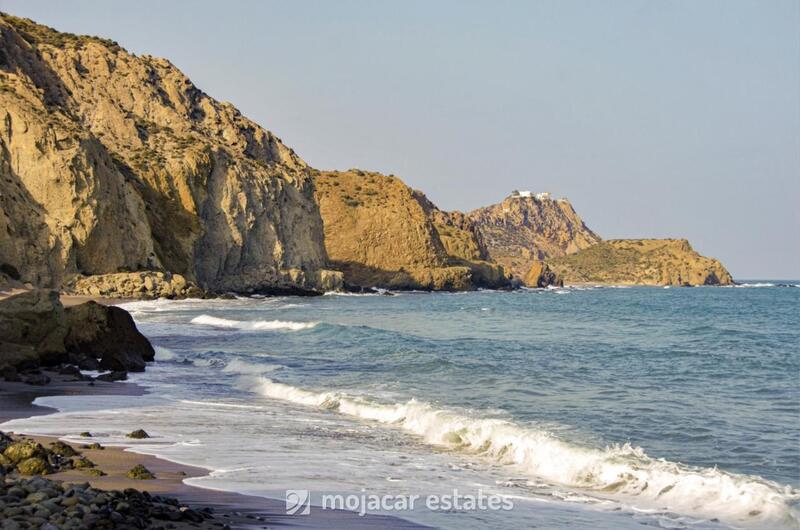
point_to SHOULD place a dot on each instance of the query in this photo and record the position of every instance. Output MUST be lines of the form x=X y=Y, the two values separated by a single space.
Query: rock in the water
x=138 y=434
x=109 y=333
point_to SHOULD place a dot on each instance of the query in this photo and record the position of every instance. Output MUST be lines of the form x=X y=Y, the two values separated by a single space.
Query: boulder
x=110 y=334
x=138 y=434
x=18 y=451
x=34 y=466
x=38 y=331
x=34 y=327
x=139 y=472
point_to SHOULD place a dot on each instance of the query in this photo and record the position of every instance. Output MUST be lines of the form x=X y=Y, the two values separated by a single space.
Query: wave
x=163 y=354
x=759 y=284
x=238 y=366
x=254 y=325
x=614 y=472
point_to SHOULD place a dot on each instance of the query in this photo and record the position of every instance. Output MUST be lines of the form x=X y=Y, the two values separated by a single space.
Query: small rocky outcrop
x=27 y=457
x=38 y=331
x=641 y=262
x=540 y=275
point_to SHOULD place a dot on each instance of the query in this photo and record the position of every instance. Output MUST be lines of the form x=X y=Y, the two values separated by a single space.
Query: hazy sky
x=655 y=118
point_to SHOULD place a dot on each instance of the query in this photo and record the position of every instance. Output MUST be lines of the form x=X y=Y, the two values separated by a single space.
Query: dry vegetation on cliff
x=641 y=262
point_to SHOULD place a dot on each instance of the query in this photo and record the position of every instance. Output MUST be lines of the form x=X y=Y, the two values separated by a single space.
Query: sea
x=565 y=408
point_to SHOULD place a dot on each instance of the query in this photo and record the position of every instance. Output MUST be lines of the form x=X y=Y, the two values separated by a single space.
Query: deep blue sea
x=587 y=407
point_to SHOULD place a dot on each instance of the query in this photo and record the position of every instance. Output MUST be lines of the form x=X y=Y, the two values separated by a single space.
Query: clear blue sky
x=655 y=118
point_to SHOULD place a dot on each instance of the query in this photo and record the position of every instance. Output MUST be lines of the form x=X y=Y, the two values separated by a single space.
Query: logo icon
x=298 y=502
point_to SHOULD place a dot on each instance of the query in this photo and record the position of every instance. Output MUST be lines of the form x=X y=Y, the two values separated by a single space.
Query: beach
x=227 y=509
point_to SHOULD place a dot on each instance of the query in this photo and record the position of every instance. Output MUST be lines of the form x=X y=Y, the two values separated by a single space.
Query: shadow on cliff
x=24 y=221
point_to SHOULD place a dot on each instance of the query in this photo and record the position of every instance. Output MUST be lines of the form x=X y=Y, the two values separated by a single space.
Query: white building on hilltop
x=528 y=194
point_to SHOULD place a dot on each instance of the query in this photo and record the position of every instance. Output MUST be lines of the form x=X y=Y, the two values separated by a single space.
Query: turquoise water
x=592 y=408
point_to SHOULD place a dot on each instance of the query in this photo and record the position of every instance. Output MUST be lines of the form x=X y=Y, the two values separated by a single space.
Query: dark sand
x=239 y=511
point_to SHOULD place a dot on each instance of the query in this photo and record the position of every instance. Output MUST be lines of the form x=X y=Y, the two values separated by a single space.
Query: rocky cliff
x=119 y=177
x=113 y=163
x=381 y=233
x=641 y=262
x=522 y=230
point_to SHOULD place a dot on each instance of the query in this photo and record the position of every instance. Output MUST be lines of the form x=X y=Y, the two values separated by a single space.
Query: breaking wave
x=617 y=472
x=254 y=325
x=163 y=354
x=237 y=366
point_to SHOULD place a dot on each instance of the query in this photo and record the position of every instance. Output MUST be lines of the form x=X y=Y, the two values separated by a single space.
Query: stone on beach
x=139 y=472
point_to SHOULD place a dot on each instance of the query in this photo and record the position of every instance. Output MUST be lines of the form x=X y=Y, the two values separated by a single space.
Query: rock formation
x=640 y=262
x=541 y=275
x=113 y=163
x=524 y=229
x=38 y=331
x=381 y=233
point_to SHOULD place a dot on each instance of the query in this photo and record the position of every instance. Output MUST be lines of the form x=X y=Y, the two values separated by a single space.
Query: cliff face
x=112 y=162
x=381 y=233
x=522 y=230
x=641 y=262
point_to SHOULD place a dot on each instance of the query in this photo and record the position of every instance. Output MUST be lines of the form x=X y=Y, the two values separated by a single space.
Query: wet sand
x=236 y=510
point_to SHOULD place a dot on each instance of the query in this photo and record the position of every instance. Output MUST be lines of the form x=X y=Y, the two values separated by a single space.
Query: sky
x=655 y=118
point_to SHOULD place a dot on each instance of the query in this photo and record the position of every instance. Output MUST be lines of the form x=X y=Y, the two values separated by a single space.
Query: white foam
x=163 y=354
x=237 y=366
x=619 y=472
x=762 y=284
x=254 y=325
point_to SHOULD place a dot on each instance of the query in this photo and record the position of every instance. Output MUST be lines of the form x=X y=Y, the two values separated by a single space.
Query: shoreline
x=230 y=508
